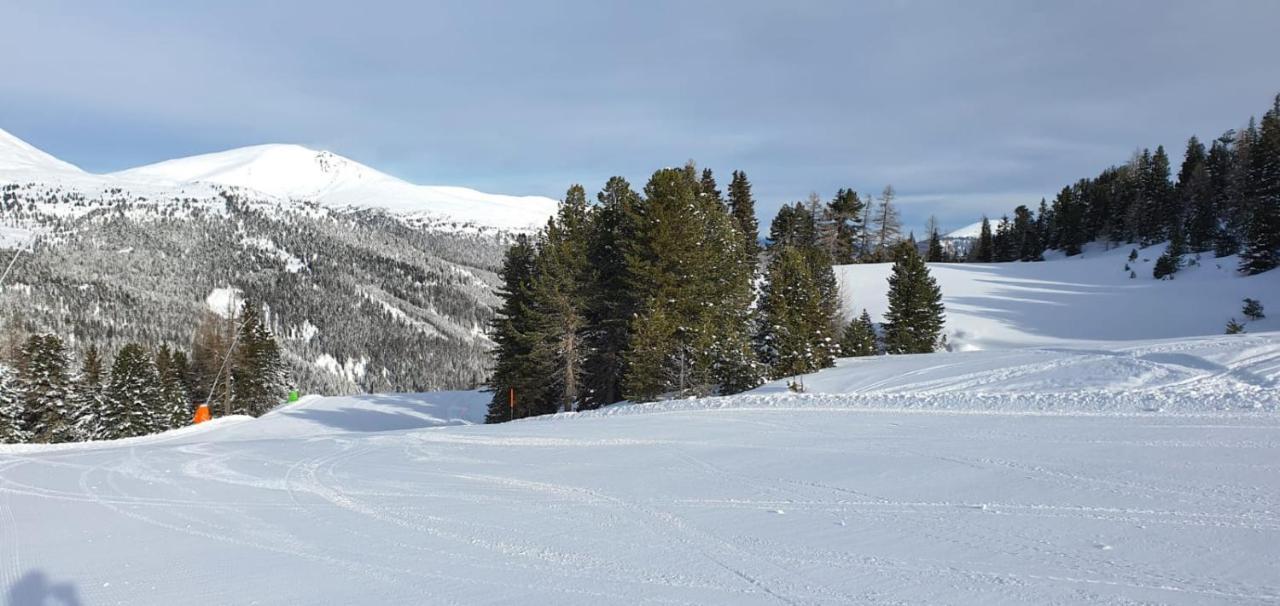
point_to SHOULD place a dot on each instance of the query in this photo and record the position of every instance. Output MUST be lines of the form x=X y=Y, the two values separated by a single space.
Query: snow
x=296 y=172
x=18 y=156
x=277 y=173
x=972 y=230
x=1077 y=301
x=225 y=302
x=16 y=237
x=970 y=478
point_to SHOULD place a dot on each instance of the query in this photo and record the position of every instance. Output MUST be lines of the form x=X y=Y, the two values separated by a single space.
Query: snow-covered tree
x=133 y=395
x=12 y=425
x=46 y=390
x=859 y=337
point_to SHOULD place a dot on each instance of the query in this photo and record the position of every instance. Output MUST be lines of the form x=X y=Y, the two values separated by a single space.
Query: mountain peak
x=17 y=155
x=283 y=170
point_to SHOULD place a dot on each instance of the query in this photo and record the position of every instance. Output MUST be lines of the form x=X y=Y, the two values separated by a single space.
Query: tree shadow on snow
x=35 y=589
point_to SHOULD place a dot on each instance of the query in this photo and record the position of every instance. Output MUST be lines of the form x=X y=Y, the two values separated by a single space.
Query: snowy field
x=1076 y=301
x=1141 y=473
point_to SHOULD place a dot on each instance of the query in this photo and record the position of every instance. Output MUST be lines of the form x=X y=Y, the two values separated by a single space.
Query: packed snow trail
x=884 y=485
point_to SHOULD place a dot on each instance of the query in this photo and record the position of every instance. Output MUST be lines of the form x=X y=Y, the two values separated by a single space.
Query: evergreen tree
x=708 y=189
x=794 y=225
x=915 y=318
x=258 y=381
x=175 y=404
x=12 y=425
x=46 y=387
x=132 y=395
x=1026 y=238
x=1005 y=247
x=935 y=253
x=88 y=397
x=797 y=316
x=859 y=337
x=520 y=368
x=743 y=208
x=561 y=273
x=690 y=335
x=985 y=251
x=1253 y=309
x=1262 y=250
x=610 y=301
x=844 y=214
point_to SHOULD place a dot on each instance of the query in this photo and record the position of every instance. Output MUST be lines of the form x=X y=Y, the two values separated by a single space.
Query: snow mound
x=1081 y=301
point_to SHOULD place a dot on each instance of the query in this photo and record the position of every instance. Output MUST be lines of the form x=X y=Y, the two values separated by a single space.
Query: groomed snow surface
x=1138 y=472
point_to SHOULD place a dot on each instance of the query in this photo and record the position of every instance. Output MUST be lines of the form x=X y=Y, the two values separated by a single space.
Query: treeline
x=652 y=295
x=145 y=391
x=1225 y=199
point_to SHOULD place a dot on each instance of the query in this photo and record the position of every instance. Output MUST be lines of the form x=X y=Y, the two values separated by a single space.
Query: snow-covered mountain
x=296 y=172
x=373 y=283
x=20 y=159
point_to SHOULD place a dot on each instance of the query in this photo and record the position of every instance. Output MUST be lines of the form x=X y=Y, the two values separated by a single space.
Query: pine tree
x=844 y=219
x=1262 y=250
x=1234 y=327
x=132 y=395
x=794 y=225
x=610 y=301
x=915 y=318
x=708 y=189
x=1006 y=248
x=12 y=424
x=797 y=315
x=1171 y=261
x=520 y=367
x=985 y=251
x=558 y=298
x=743 y=208
x=258 y=381
x=935 y=253
x=859 y=337
x=690 y=334
x=1253 y=309
x=175 y=407
x=1026 y=238
x=88 y=397
x=46 y=386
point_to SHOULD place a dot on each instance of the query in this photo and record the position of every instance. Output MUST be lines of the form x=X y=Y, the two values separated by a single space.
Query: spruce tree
x=916 y=315
x=46 y=387
x=859 y=337
x=12 y=424
x=844 y=214
x=743 y=208
x=687 y=254
x=520 y=366
x=985 y=251
x=559 y=297
x=258 y=381
x=132 y=395
x=1026 y=238
x=88 y=396
x=1262 y=249
x=175 y=407
x=935 y=254
x=610 y=302
x=797 y=315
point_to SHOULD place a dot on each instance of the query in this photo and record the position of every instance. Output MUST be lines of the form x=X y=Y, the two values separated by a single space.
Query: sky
x=965 y=107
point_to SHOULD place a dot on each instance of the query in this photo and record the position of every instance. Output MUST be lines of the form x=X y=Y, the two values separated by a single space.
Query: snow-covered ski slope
x=1141 y=473
x=1078 y=300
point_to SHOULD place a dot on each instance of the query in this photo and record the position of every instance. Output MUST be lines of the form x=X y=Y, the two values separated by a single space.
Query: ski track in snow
x=970 y=478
